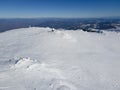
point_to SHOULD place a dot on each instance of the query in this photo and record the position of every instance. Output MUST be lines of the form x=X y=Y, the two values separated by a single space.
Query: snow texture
x=37 y=59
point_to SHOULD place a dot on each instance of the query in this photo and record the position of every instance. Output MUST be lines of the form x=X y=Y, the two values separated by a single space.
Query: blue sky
x=59 y=8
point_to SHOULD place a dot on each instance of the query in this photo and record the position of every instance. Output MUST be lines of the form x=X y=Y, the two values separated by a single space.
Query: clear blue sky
x=59 y=8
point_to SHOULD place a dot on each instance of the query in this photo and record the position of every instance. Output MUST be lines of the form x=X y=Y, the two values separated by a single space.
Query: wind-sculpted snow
x=39 y=59
x=36 y=75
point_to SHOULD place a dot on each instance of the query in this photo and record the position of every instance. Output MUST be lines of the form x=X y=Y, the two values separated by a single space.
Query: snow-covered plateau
x=39 y=59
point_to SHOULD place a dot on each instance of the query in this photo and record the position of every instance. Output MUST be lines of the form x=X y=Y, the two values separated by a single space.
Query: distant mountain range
x=86 y=24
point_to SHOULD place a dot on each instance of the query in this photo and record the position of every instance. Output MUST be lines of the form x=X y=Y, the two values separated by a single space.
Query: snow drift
x=38 y=59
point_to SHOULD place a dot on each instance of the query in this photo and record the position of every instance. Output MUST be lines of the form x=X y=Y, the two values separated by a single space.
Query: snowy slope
x=38 y=59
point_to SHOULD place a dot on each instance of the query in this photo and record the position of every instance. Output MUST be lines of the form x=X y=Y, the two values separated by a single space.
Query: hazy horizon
x=59 y=17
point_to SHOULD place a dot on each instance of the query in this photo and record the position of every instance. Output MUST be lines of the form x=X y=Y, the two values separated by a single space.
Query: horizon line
x=57 y=17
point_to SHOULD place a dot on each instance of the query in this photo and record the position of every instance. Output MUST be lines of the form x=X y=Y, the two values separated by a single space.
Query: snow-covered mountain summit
x=40 y=59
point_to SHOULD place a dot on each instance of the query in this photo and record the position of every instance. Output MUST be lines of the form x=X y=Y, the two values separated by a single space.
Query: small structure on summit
x=52 y=30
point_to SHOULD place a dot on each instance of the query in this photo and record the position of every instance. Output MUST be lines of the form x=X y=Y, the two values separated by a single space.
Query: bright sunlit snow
x=39 y=59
